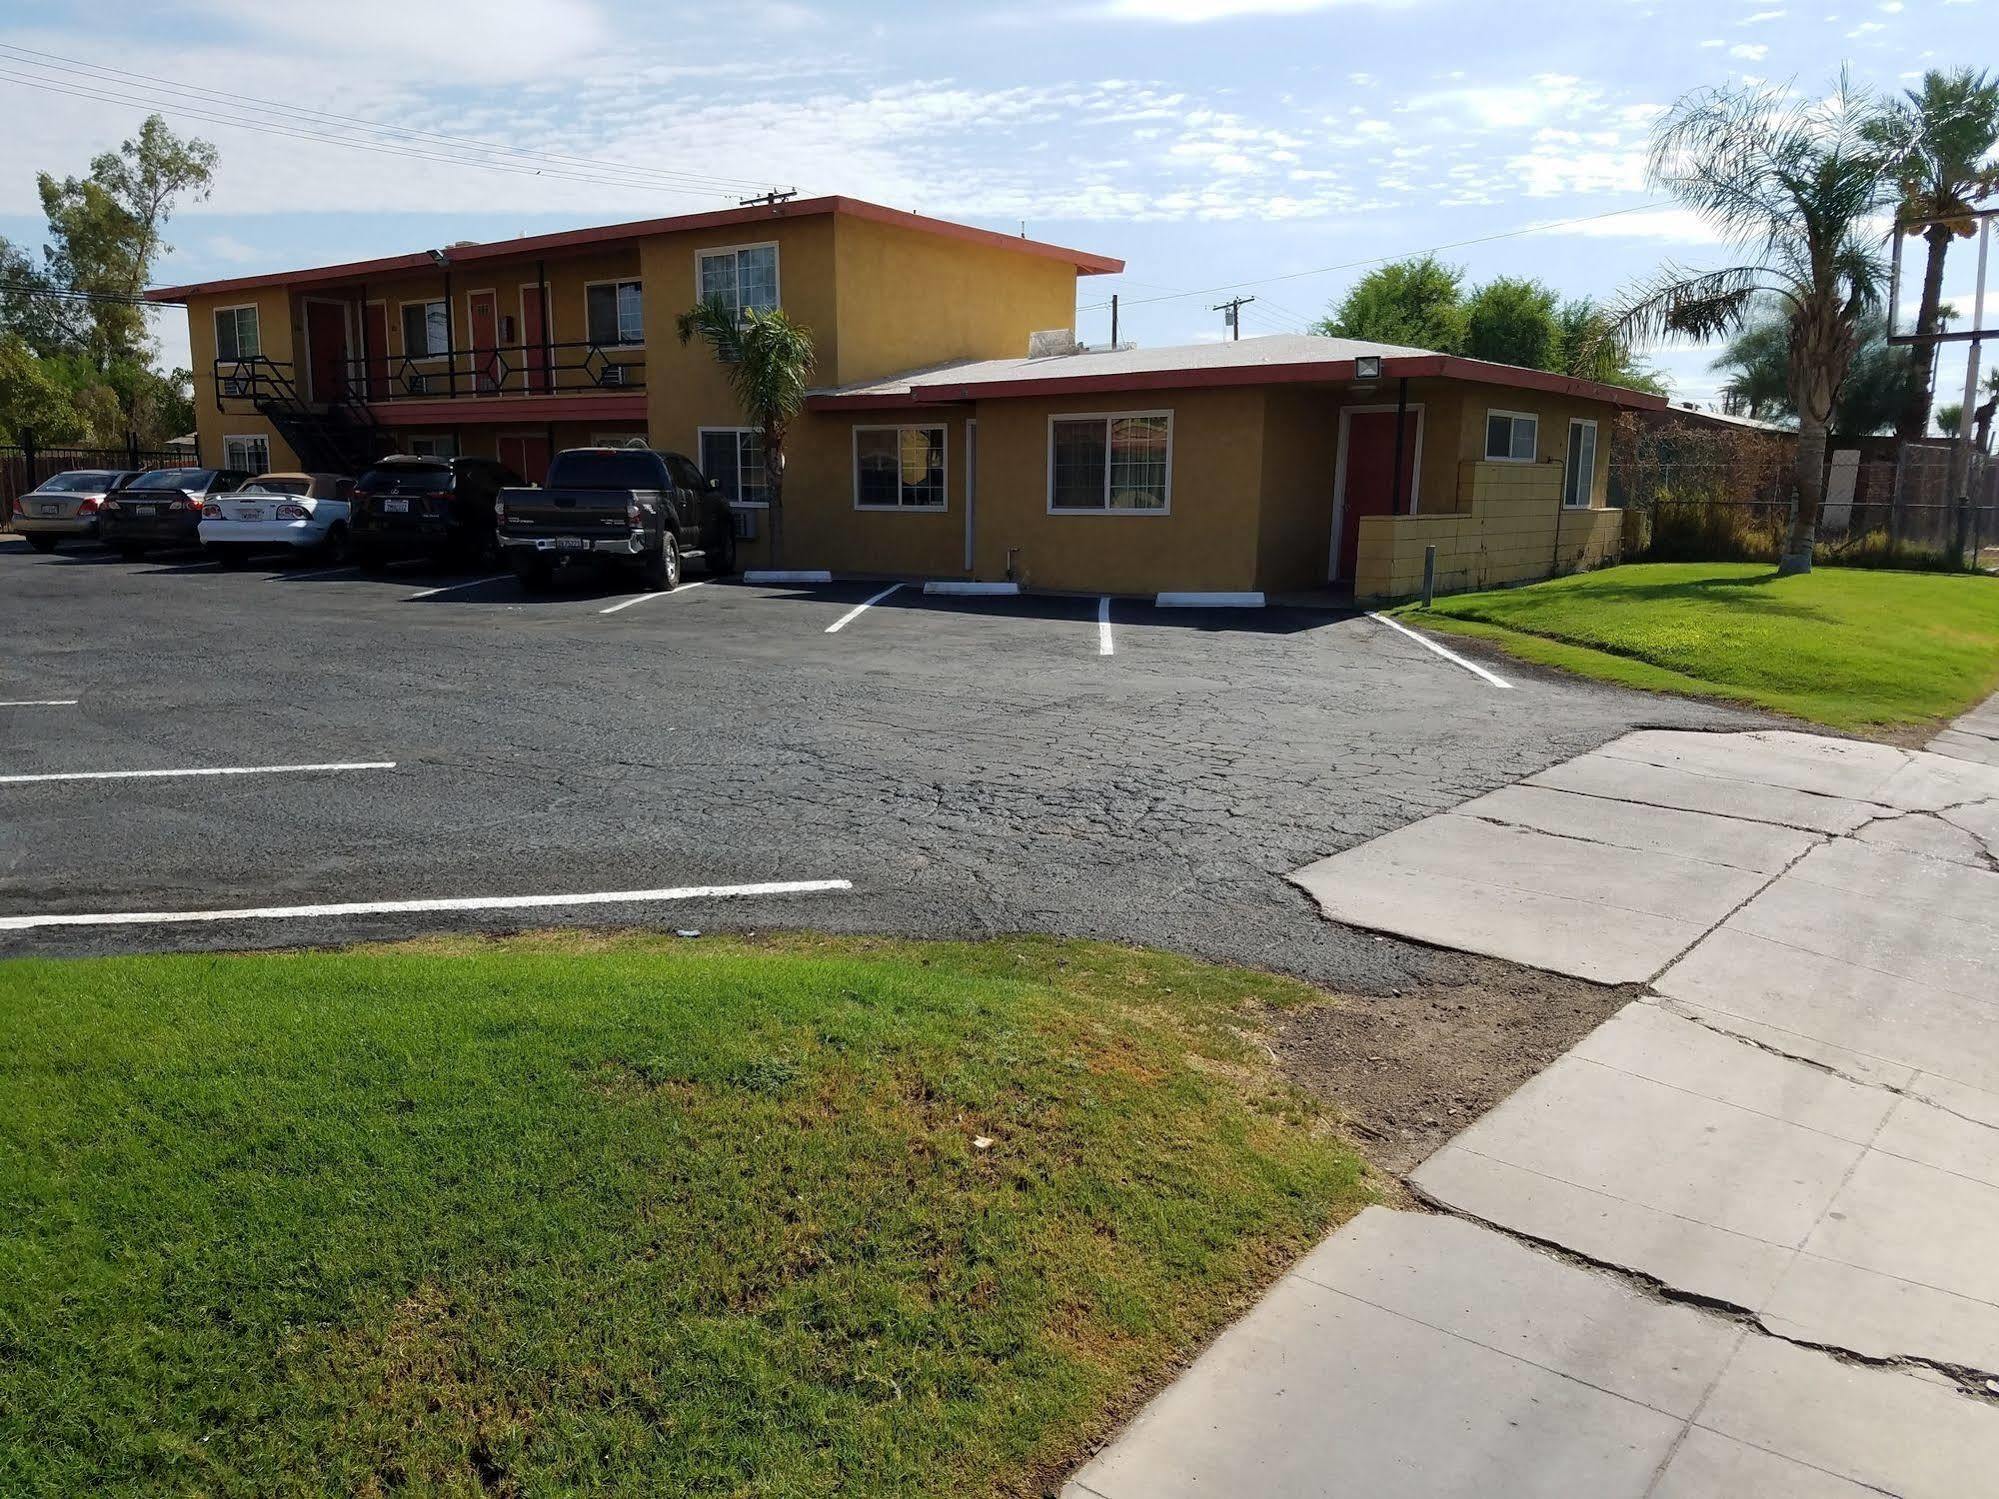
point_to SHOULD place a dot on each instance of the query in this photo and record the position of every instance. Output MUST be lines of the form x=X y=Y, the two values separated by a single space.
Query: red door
x=326 y=337
x=486 y=341
x=534 y=334
x=526 y=453
x=1369 y=484
x=375 y=320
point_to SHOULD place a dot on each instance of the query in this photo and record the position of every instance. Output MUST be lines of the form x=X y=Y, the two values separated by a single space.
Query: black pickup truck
x=652 y=511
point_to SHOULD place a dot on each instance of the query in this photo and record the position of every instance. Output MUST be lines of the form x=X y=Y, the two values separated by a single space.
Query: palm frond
x=1703 y=305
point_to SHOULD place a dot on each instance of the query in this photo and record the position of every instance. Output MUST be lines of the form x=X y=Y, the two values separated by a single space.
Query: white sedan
x=301 y=513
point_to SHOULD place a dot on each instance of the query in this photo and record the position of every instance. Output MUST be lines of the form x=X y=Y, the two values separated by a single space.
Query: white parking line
x=1451 y=656
x=662 y=593
x=1104 y=647
x=41 y=702
x=324 y=572
x=859 y=609
x=455 y=587
x=205 y=770
x=400 y=907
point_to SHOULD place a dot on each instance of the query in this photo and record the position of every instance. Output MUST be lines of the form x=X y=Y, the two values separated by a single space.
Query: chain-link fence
x=1731 y=497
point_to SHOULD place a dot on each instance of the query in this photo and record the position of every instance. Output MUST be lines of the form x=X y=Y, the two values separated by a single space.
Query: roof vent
x=1050 y=342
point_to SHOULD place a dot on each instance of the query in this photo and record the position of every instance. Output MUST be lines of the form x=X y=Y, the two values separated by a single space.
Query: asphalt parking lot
x=923 y=765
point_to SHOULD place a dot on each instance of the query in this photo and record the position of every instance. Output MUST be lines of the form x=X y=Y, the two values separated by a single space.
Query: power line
x=101 y=75
x=72 y=294
x=178 y=111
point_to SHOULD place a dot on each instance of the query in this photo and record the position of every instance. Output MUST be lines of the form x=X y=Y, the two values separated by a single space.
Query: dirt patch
x=1411 y=1068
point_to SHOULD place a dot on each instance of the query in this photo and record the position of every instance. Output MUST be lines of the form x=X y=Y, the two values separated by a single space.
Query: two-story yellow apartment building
x=936 y=444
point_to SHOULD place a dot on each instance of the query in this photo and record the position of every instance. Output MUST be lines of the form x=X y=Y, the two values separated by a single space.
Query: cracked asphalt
x=971 y=766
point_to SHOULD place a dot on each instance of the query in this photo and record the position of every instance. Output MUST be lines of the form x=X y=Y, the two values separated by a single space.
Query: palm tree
x=1938 y=142
x=769 y=360
x=1790 y=185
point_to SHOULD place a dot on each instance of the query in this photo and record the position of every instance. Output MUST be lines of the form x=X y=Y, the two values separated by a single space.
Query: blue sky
x=1207 y=142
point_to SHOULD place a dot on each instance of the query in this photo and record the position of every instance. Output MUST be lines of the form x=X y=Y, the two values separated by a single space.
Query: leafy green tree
x=1415 y=303
x=1792 y=186
x=769 y=361
x=1590 y=349
x=31 y=401
x=106 y=229
x=30 y=308
x=1511 y=320
x=1949 y=416
x=1938 y=142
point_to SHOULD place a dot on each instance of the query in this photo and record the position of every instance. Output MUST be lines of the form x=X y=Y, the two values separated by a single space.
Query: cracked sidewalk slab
x=1974 y=736
x=1791 y=1141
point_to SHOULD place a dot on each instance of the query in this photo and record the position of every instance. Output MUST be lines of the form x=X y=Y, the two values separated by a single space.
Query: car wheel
x=661 y=573
x=533 y=573
x=722 y=556
x=42 y=543
x=333 y=546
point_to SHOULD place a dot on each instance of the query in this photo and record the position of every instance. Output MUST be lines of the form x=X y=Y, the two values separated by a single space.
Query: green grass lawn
x=631 y=1214
x=1853 y=648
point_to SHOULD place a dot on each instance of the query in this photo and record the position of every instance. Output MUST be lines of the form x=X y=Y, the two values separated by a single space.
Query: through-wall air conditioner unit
x=235 y=385
x=614 y=374
x=416 y=385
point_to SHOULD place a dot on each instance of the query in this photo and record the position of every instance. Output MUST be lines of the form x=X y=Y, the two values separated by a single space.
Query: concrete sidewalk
x=1975 y=736
x=1743 y=1238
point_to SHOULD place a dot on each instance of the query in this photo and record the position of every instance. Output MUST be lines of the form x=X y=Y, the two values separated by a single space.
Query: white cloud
x=477 y=40
x=1190 y=12
x=1760 y=17
x=1749 y=51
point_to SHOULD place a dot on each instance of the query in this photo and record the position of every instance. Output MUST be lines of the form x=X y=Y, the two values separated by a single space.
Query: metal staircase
x=340 y=436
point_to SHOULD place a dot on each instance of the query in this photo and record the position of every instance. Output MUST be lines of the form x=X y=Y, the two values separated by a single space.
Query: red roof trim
x=572 y=240
x=497 y=411
x=1417 y=366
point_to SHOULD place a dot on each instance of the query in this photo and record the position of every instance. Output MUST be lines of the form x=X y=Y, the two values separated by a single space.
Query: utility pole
x=1113 y=322
x=769 y=199
x=1233 y=307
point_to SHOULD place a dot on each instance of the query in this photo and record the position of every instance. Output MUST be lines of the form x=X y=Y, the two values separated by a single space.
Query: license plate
x=152 y=510
x=49 y=510
x=393 y=506
x=570 y=543
x=246 y=513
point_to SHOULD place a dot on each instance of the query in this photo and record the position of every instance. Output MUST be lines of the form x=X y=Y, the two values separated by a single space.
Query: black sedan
x=162 y=508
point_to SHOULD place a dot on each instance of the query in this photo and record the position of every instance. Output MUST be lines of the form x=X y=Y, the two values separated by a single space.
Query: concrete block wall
x=1513 y=528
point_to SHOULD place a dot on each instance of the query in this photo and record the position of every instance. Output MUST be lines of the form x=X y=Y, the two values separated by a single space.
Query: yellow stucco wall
x=1295 y=513
x=908 y=300
x=277 y=336
x=1207 y=540
x=1514 y=529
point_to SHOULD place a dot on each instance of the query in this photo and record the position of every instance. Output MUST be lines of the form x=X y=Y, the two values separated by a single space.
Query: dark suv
x=162 y=508
x=428 y=507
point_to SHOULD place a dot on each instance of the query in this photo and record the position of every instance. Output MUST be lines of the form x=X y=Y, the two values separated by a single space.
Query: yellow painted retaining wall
x=1513 y=528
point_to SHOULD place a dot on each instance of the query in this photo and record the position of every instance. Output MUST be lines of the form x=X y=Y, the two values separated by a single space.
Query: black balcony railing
x=498 y=370
x=571 y=368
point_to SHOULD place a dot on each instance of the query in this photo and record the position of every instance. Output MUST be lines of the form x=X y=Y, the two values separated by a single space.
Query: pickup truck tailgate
x=569 y=512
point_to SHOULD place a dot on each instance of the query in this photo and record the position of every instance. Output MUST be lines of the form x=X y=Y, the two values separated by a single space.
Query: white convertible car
x=301 y=513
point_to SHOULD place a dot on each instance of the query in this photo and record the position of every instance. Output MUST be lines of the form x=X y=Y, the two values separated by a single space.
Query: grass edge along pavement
x=780 y=1216
x=1856 y=649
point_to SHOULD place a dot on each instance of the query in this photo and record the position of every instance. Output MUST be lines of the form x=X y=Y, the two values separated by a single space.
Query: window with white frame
x=431 y=447
x=898 y=468
x=1111 y=463
x=1511 y=436
x=1579 y=482
x=426 y=329
x=616 y=312
x=251 y=454
x=739 y=278
x=734 y=458
x=236 y=335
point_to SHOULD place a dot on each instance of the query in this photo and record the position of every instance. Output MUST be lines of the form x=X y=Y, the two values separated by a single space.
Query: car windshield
x=174 y=478
x=91 y=481
x=411 y=477
x=623 y=468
